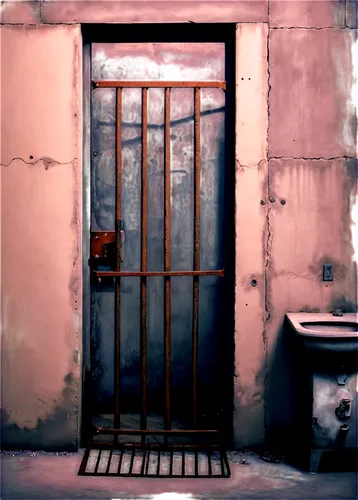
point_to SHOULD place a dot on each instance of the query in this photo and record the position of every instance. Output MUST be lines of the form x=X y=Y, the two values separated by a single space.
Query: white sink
x=326 y=332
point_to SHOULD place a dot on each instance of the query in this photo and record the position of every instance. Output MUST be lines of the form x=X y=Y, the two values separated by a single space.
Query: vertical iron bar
x=196 y=248
x=222 y=462
x=117 y=340
x=171 y=462
x=183 y=462
x=132 y=460
x=143 y=280
x=226 y=463
x=120 y=461
x=109 y=461
x=147 y=466
x=196 y=462
x=84 y=462
x=143 y=463
x=209 y=462
x=158 y=466
x=98 y=461
x=167 y=305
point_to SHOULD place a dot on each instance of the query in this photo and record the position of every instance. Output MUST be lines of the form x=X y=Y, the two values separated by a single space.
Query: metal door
x=157 y=237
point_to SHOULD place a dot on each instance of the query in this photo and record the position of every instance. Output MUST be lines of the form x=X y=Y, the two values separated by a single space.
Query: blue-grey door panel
x=180 y=62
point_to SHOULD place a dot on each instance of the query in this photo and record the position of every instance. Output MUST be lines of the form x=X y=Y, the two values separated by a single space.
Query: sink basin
x=325 y=332
x=334 y=329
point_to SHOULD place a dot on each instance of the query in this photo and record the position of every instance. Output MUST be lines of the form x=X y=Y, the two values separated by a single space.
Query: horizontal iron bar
x=128 y=274
x=160 y=432
x=164 y=447
x=157 y=84
x=139 y=474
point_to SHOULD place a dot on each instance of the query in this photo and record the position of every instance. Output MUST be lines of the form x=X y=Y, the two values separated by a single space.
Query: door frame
x=170 y=33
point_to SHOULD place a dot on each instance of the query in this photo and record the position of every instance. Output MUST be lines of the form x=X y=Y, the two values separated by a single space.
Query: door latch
x=109 y=253
x=344 y=410
x=122 y=239
x=103 y=249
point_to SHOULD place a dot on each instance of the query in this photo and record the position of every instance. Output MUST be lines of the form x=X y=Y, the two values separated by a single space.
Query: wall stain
x=340 y=271
x=339 y=13
x=35 y=6
x=309 y=309
x=340 y=301
x=56 y=432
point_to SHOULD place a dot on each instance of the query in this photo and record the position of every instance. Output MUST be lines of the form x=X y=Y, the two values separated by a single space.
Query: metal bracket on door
x=103 y=249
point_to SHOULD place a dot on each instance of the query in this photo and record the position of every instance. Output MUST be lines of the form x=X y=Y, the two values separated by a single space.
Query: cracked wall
x=296 y=168
x=295 y=188
x=312 y=177
x=41 y=227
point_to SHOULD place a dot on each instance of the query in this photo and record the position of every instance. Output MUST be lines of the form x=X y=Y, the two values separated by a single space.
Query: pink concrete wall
x=296 y=170
x=251 y=229
x=313 y=184
x=41 y=235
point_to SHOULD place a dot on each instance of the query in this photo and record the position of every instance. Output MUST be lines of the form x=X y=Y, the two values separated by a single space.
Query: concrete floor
x=35 y=475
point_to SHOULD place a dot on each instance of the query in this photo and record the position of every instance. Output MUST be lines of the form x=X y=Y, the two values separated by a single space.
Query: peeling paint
x=240 y=167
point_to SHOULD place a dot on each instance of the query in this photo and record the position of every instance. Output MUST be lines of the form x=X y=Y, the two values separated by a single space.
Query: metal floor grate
x=174 y=461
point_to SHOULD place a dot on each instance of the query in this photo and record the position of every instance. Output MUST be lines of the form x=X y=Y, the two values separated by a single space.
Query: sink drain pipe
x=341 y=435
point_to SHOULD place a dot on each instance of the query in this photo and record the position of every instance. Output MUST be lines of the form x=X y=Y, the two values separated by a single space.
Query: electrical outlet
x=327 y=272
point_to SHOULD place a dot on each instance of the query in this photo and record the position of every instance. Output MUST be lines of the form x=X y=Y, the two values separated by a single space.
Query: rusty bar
x=158 y=465
x=132 y=448
x=196 y=248
x=157 y=84
x=196 y=463
x=98 y=461
x=132 y=461
x=143 y=462
x=209 y=463
x=183 y=462
x=167 y=305
x=118 y=162
x=120 y=461
x=143 y=280
x=117 y=330
x=150 y=274
x=171 y=462
x=189 y=446
x=222 y=463
x=159 y=432
x=109 y=460
x=83 y=467
x=226 y=462
x=147 y=466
